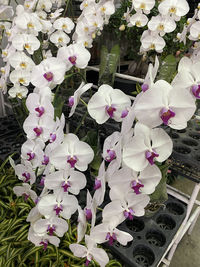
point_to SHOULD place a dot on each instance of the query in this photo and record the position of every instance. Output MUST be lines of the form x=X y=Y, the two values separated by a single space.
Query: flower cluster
x=170 y=11
x=54 y=162
x=93 y=17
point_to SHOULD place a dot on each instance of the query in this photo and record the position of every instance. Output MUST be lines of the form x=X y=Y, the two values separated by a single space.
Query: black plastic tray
x=11 y=138
x=186 y=150
x=151 y=236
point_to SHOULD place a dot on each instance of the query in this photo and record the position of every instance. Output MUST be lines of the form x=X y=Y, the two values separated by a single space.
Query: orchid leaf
x=167 y=69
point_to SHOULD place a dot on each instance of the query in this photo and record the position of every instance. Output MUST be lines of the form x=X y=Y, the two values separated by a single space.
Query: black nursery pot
x=151 y=236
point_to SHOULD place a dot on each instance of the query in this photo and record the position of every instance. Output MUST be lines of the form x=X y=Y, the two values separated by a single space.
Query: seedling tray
x=11 y=138
x=186 y=150
x=151 y=236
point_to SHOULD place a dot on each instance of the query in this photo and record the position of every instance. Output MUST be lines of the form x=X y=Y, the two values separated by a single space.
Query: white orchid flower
x=7 y=52
x=175 y=8
x=90 y=209
x=64 y=24
x=59 y=38
x=107 y=232
x=42 y=239
x=60 y=205
x=124 y=205
x=73 y=100
x=56 y=14
x=45 y=5
x=100 y=185
x=26 y=41
x=25 y=191
x=49 y=72
x=162 y=24
x=90 y=252
x=52 y=225
x=39 y=105
x=108 y=103
x=195 y=31
x=28 y=22
x=25 y=172
x=18 y=91
x=83 y=39
x=152 y=41
x=72 y=152
x=36 y=127
x=147 y=146
x=33 y=151
x=112 y=153
x=143 y=182
x=151 y=75
x=19 y=60
x=163 y=104
x=86 y=4
x=66 y=181
x=82 y=224
x=188 y=77
x=138 y=19
x=84 y=26
x=33 y=215
x=20 y=76
x=145 y=6
x=107 y=7
x=74 y=55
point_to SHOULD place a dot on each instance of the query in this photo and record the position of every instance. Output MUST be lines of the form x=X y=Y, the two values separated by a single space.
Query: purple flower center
x=65 y=186
x=110 y=110
x=72 y=161
x=124 y=113
x=87 y=262
x=196 y=90
x=31 y=156
x=72 y=59
x=111 y=155
x=166 y=115
x=150 y=156
x=48 y=76
x=45 y=244
x=136 y=185
x=51 y=229
x=27 y=176
x=46 y=160
x=58 y=209
x=26 y=196
x=52 y=138
x=129 y=214
x=42 y=180
x=38 y=131
x=71 y=101
x=97 y=184
x=145 y=87
x=88 y=214
x=111 y=238
x=40 y=111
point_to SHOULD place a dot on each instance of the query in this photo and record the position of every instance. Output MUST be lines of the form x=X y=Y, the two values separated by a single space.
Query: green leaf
x=167 y=69
x=58 y=105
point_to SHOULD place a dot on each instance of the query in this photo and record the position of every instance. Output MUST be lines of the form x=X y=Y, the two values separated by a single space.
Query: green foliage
x=167 y=69
x=108 y=64
x=15 y=249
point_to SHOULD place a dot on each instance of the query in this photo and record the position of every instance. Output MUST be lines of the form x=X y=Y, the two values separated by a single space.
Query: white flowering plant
x=46 y=48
